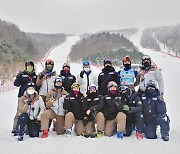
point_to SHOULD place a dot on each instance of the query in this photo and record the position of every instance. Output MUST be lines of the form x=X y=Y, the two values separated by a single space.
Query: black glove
x=118 y=104
x=81 y=74
x=29 y=101
x=19 y=74
x=41 y=75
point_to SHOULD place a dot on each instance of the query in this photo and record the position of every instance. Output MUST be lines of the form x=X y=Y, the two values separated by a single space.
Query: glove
x=28 y=102
x=41 y=75
x=126 y=108
x=81 y=74
x=19 y=74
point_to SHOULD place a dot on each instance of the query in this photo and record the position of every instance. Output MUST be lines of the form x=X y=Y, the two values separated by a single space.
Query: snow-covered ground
x=81 y=145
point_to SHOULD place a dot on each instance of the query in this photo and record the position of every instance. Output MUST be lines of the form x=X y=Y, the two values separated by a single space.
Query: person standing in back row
x=108 y=74
x=68 y=78
x=45 y=79
x=127 y=74
x=86 y=78
x=149 y=72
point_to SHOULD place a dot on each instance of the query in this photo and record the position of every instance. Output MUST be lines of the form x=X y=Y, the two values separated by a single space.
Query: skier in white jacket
x=86 y=77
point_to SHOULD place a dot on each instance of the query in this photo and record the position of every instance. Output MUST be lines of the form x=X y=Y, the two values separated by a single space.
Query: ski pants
x=120 y=120
x=134 y=120
x=48 y=115
x=150 y=128
x=33 y=126
x=70 y=120
x=18 y=112
x=99 y=120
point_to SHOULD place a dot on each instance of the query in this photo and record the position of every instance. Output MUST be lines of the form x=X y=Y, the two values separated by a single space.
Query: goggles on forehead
x=92 y=88
x=49 y=62
x=127 y=58
x=146 y=57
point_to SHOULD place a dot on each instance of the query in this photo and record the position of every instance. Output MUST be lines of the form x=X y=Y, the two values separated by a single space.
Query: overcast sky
x=80 y=16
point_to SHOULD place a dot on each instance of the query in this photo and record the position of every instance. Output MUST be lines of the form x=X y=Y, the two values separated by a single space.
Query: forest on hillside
x=104 y=45
x=16 y=47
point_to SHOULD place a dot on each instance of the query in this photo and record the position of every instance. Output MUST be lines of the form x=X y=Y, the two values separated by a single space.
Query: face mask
x=30 y=92
x=29 y=69
x=66 y=70
x=113 y=92
x=150 y=92
x=147 y=64
x=127 y=65
x=76 y=93
x=49 y=67
x=86 y=69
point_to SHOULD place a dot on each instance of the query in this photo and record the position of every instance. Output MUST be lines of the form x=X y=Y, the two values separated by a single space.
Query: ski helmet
x=58 y=79
x=49 y=62
x=66 y=65
x=145 y=57
x=92 y=86
x=107 y=61
x=86 y=63
x=31 y=84
x=75 y=84
x=29 y=63
x=151 y=83
x=126 y=58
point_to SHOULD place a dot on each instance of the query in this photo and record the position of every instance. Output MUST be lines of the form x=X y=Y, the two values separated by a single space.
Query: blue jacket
x=22 y=80
x=153 y=106
x=127 y=76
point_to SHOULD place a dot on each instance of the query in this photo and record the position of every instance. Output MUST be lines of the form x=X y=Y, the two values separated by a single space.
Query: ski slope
x=105 y=145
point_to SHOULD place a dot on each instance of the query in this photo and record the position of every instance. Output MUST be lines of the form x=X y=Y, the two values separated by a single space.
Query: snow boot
x=68 y=133
x=139 y=135
x=99 y=134
x=20 y=137
x=120 y=135
x=165 y=138
x=45 y=134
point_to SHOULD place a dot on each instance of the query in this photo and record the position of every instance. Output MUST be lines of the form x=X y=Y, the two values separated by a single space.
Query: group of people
x=89 y=105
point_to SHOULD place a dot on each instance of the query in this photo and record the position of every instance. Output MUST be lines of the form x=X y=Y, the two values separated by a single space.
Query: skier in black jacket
x=108 y=74
x=75 y=114
x=93 y=106
x=68 y=78
x=113 y=111
x=134 y=111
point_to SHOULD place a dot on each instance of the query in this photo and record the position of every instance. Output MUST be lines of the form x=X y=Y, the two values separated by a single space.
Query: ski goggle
x=92 y=88
x=58 y=80
x=86 y=63
x=145 y=57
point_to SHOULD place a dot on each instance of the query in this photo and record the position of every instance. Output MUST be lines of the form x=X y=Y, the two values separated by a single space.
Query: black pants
x=32 y=125
x=134 y=121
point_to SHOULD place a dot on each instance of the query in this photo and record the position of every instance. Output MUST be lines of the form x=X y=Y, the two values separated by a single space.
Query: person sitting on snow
x=154 y=110
x=133 y=110
x=113 y=111
x=93 y=106
x=54 y=105
x=74 y=113
x=31 y=112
